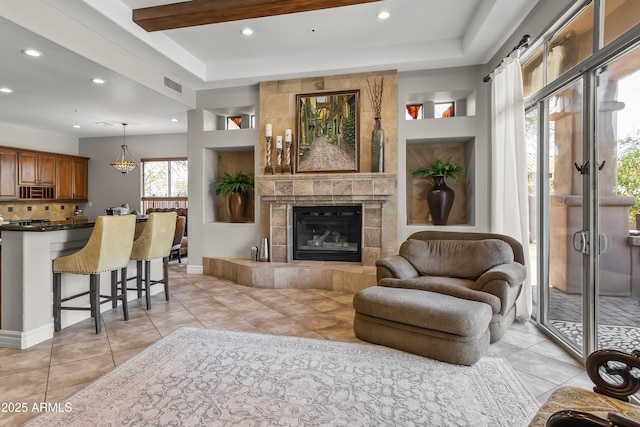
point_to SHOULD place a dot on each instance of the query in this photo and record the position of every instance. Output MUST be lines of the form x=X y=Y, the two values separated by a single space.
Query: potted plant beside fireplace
x=236 y=188
x=440 y=196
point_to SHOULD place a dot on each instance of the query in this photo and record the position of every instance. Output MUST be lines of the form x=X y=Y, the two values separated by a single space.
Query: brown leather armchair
x=482 y=267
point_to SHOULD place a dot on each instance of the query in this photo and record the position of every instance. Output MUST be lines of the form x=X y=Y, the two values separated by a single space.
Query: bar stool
x=108 y=249
x=154 y=242
x=181 y=223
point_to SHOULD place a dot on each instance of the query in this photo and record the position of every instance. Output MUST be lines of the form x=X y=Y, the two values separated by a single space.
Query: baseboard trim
x=22 y=340
x=194 y=269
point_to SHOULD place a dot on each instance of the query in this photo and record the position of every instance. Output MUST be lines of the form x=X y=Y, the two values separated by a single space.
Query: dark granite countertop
x=69 y=224
x=49 y=226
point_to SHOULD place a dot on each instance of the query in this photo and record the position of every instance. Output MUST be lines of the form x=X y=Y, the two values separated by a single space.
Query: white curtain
x=509 y=197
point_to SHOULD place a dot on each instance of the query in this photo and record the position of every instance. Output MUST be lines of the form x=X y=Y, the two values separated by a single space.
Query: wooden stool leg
x=165 y=274
x=114 y=288
x=92 y=297
x=94 y=280
x=57 y=304
x=123 y=294
x=147 y=282
x=139 y=278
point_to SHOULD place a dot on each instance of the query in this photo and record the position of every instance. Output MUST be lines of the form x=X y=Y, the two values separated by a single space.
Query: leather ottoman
x=426 y=323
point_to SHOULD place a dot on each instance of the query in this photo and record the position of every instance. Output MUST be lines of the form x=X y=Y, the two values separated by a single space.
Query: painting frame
x=327 y=132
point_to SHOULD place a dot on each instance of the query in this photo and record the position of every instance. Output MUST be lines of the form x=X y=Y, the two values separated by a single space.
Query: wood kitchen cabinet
x=72 y=180
x=36 y=168
x=8 y=175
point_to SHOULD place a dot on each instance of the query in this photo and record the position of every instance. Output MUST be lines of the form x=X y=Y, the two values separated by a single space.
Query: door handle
x=581 y=242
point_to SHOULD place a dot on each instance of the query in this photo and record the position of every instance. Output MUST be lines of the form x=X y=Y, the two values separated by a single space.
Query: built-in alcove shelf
x=230 y=160
x=232 y=118
x=422 y=153
x=447 y=104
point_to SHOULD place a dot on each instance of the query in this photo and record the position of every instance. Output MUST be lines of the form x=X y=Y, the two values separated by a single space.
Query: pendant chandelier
x=124 y=163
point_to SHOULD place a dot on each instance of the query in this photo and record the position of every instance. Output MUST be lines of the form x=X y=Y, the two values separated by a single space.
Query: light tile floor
x=53 y=370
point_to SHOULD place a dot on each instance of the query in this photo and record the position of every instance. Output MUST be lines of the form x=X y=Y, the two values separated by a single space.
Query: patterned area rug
x=207 y=377
x=623 y=338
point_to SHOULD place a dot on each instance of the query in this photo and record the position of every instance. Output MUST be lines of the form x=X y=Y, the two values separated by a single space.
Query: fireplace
x=327 y=233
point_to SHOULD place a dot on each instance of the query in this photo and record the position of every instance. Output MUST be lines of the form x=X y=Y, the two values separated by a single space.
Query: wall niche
x=235 y=118
x=231 y=161
x=442 y=104
x=422 y=153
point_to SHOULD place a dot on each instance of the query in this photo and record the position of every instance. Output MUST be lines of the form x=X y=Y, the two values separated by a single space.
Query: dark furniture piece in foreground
x=616 y=376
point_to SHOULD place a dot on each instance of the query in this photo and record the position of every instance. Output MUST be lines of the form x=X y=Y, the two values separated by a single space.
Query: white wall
x=413 y=84
x=107 y=186
x=34 y=139
x=208 y=238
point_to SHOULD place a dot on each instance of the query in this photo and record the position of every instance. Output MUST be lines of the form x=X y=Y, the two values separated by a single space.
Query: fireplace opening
x=327 y=233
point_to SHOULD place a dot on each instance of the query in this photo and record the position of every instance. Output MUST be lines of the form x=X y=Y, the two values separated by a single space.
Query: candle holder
x=268 y=169
x=279 y=160
x=287 y=158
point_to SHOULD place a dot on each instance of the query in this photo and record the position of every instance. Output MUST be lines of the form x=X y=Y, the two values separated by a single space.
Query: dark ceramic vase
x=238 y=207
x=440 y=200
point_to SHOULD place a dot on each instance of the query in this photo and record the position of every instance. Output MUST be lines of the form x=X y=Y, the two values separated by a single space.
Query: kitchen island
x=27 y=278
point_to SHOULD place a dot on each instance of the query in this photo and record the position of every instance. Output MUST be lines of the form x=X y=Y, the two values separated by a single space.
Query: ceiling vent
x=172 y=85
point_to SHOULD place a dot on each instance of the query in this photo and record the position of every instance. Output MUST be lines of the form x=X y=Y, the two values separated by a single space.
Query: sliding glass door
x=590 y=186
x=617 y=153
x=582 y=84
x=567 y=241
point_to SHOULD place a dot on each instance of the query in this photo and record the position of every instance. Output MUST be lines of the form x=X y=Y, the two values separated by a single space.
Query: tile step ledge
x=336 y=276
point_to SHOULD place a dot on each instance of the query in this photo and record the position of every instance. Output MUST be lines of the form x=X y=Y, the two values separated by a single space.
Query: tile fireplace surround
x=375 y=192
x=280 y=193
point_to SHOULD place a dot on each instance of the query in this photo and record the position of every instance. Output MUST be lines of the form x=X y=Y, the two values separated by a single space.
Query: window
x=165 y=183
x=619 y=16
x=568 y=46
x=571 y=44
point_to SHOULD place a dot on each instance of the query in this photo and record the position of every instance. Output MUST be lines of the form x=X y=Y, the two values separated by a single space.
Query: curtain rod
x=524 y=42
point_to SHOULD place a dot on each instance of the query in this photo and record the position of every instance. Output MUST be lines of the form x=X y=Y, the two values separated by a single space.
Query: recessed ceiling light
x=6 y=90
x=97 y=81
x=383 y=15
x=174 y=120
x=76 y=126
x=247 y=31
x=32 y=52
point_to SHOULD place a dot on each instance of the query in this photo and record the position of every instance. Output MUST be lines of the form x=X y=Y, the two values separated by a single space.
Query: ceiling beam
x=202 y=12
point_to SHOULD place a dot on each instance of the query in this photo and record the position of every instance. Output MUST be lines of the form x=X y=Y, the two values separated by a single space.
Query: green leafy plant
x=440 y=168
x=234 y=183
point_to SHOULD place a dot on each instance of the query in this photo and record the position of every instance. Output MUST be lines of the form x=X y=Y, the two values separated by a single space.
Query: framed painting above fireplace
x=328 y=131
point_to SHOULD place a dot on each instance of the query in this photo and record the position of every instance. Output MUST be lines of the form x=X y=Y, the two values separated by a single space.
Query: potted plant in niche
x=440 y=196
x=236 y=188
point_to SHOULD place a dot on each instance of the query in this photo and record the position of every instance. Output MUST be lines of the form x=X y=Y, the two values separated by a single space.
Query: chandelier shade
x=124 y=163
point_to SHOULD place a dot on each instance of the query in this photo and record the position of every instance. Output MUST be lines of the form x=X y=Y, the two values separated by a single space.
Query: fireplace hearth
x=327 y=233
